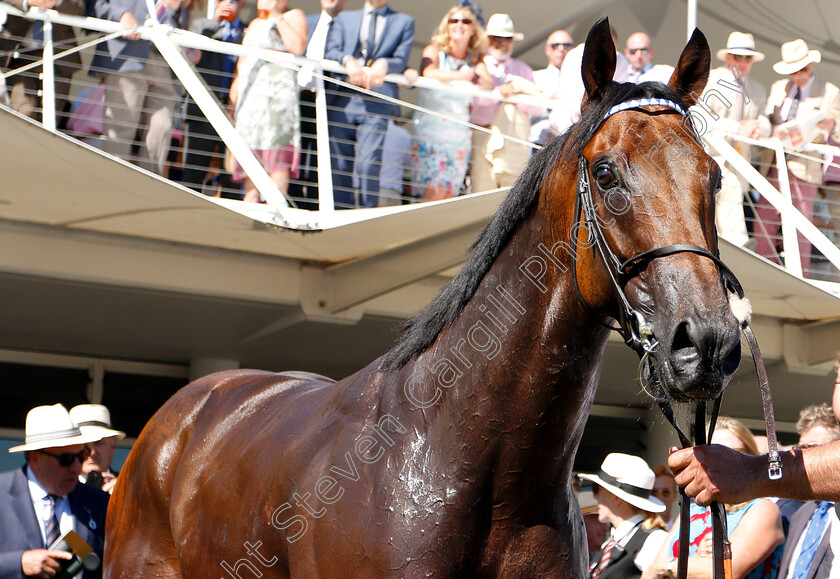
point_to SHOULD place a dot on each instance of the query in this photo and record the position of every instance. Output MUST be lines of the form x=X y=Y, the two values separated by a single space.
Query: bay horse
x=451 y=455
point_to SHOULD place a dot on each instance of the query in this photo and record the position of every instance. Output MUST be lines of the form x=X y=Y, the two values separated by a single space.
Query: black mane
x=420 y=331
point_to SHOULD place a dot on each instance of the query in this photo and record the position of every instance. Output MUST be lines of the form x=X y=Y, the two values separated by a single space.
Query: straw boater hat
x=796 y=56
x=742 y=44
x=50 y=426
x=629 y=478
x=94 y=419
x=501 y=25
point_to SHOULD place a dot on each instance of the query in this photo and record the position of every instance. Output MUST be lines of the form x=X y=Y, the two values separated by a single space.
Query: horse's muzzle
x=700 y=357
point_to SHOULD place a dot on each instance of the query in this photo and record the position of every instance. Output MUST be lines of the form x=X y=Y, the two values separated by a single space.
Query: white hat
x=50 y=426
x=501 y=25
x=629 y=478
x=94 y=419
x=741 y=43
x=796 y=56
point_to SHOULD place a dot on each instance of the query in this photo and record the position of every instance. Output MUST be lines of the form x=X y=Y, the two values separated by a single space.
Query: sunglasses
x=565 y=45
x=635 y=50
x=65 y=459
x=747 y=57
x=500 y=39
x=466 y=21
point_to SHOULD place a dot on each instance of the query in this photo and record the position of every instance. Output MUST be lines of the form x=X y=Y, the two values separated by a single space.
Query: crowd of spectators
x=770 y=537
x=460 y=143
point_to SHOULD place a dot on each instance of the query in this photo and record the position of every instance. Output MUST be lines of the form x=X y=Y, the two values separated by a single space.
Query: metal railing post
x=326 y=195
x=48 y=80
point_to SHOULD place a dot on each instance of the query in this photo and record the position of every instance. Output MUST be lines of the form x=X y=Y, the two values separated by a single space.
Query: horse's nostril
x=732 y=359
x=681 y=339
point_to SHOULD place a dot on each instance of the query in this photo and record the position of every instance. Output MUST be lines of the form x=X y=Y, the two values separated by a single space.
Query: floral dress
x=267 y=114
x=440 y=150
x=700 y=525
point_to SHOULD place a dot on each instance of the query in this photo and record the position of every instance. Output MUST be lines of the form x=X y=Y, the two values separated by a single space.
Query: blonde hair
x=478 y=43
x=741 y=432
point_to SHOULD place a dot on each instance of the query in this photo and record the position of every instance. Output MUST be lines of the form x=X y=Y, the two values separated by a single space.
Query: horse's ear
x=692 y=72
x=598 y=64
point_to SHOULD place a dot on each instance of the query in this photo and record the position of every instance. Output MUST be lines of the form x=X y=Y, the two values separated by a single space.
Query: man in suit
x=808 y=554
x=738 y=101
x=95 y=420
x=140 y=93
x=43 y=500
x=797 y=98
x=304 y=189
x=370 y=43
x=21 y=42
x=217 y=70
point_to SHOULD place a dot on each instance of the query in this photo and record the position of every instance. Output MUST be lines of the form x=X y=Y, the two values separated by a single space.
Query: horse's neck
x=523 y=355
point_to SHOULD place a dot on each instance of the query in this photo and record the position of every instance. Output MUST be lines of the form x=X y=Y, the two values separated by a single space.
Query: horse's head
x=646 y=182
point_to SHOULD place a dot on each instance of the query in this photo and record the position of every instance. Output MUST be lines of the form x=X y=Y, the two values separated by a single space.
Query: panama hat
x=94 y=419
x=629 y=478
x=796 y=56
x=501 y=25
x=51 y=426
x=742 y=44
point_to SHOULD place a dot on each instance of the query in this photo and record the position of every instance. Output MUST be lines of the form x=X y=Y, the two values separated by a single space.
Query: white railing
x=793 y=222
x=170 y=43
x=278 y=209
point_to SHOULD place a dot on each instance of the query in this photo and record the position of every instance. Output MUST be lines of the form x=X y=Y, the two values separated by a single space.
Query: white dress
x=267 y=114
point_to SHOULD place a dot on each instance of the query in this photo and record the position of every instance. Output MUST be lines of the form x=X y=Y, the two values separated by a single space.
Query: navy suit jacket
x=394 y=46
x=20 y=531
x=821 y=564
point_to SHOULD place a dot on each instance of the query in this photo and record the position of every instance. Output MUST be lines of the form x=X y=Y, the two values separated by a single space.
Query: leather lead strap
x=775 y=469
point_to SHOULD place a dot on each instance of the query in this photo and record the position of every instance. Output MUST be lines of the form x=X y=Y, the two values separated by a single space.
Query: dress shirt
x=315 y=51
x=380 y=24
x=42 y=507
x=651 y=72
x=548 y=81
x=318 y=40
x=804 y=93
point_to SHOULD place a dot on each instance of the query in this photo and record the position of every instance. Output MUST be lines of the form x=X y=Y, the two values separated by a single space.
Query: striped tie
x=52 y=530
x=162 y=13
x=605 y=558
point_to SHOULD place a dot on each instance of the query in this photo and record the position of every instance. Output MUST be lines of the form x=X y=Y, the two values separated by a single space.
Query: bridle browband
x=637 y=332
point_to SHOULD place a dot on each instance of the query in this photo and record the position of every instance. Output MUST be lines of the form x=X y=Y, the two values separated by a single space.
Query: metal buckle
x=775 y=470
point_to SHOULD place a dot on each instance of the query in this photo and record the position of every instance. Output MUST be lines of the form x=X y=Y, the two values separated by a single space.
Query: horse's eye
x=718 y=183
x=605 y=178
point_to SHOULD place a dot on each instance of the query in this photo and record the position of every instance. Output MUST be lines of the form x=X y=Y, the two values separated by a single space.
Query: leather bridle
x=638 y=333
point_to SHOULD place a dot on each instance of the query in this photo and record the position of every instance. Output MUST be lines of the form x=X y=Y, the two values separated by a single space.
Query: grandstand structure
x=120 y=285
